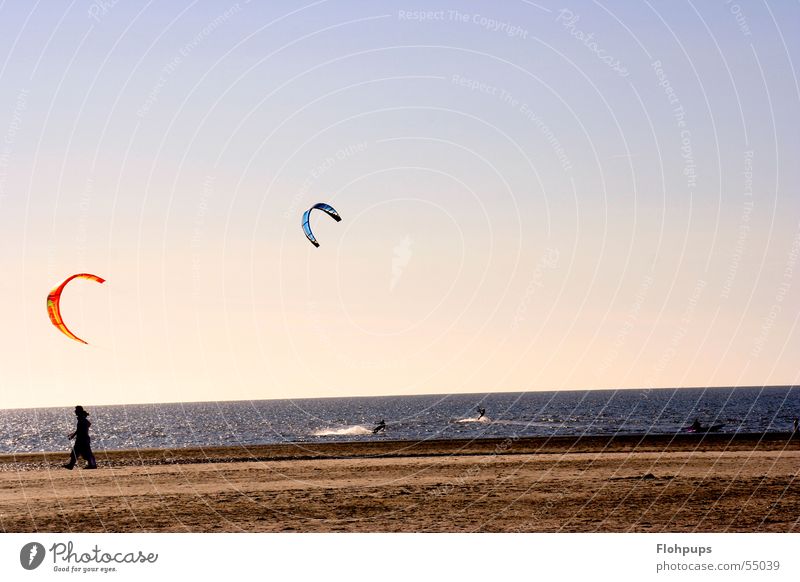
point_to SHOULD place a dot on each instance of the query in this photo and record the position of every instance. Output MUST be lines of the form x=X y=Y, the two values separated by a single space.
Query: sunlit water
x=596 y=412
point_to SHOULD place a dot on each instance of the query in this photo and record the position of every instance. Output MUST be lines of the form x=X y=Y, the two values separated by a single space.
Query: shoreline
x=305 y=451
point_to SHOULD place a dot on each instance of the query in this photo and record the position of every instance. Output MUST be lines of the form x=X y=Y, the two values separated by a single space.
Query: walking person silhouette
x=82 y=446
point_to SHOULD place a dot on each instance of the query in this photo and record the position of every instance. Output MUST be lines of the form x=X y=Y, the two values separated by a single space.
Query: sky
x=535 y=196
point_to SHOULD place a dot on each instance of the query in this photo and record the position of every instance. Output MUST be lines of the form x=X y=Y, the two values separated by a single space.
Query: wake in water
x=345 y=431
x=522 y=423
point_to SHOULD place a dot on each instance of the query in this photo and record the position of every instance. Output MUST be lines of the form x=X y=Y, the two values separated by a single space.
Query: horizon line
x=441 y=394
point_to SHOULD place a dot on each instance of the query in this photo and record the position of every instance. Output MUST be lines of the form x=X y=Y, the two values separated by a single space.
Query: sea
x=410 y=418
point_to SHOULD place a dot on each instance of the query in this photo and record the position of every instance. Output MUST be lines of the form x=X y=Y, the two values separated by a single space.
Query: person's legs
x=91 y=462
x=73 y=458
x=84 y=451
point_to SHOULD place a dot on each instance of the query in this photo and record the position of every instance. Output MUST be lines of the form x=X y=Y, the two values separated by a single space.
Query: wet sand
x=682 y=483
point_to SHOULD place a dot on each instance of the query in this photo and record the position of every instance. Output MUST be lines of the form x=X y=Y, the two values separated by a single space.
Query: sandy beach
x=682 y=483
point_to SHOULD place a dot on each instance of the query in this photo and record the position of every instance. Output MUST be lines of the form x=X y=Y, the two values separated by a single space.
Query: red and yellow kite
x=54 y=309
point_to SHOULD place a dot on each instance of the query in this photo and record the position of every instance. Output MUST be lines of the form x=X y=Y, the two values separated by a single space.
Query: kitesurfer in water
x=82 y=446
x=481 y=413
x=696 y=426
x=381 y=426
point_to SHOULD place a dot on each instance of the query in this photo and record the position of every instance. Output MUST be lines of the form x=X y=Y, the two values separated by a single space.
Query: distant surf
x=482 y=420
x=345 y=431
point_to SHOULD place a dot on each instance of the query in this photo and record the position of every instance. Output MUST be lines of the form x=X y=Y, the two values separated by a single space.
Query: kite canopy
x=54 y=307
x=327 y=209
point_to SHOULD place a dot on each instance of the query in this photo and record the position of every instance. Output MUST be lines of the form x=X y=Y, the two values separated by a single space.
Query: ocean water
x=589 y=412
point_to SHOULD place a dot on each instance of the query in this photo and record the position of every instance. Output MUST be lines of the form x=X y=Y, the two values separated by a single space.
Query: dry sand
x=684 y=483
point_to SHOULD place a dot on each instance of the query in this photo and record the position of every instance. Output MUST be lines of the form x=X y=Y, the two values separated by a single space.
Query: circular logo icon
x=31 y=555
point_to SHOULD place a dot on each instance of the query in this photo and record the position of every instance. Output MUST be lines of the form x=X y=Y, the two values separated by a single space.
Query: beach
x=633 y=483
